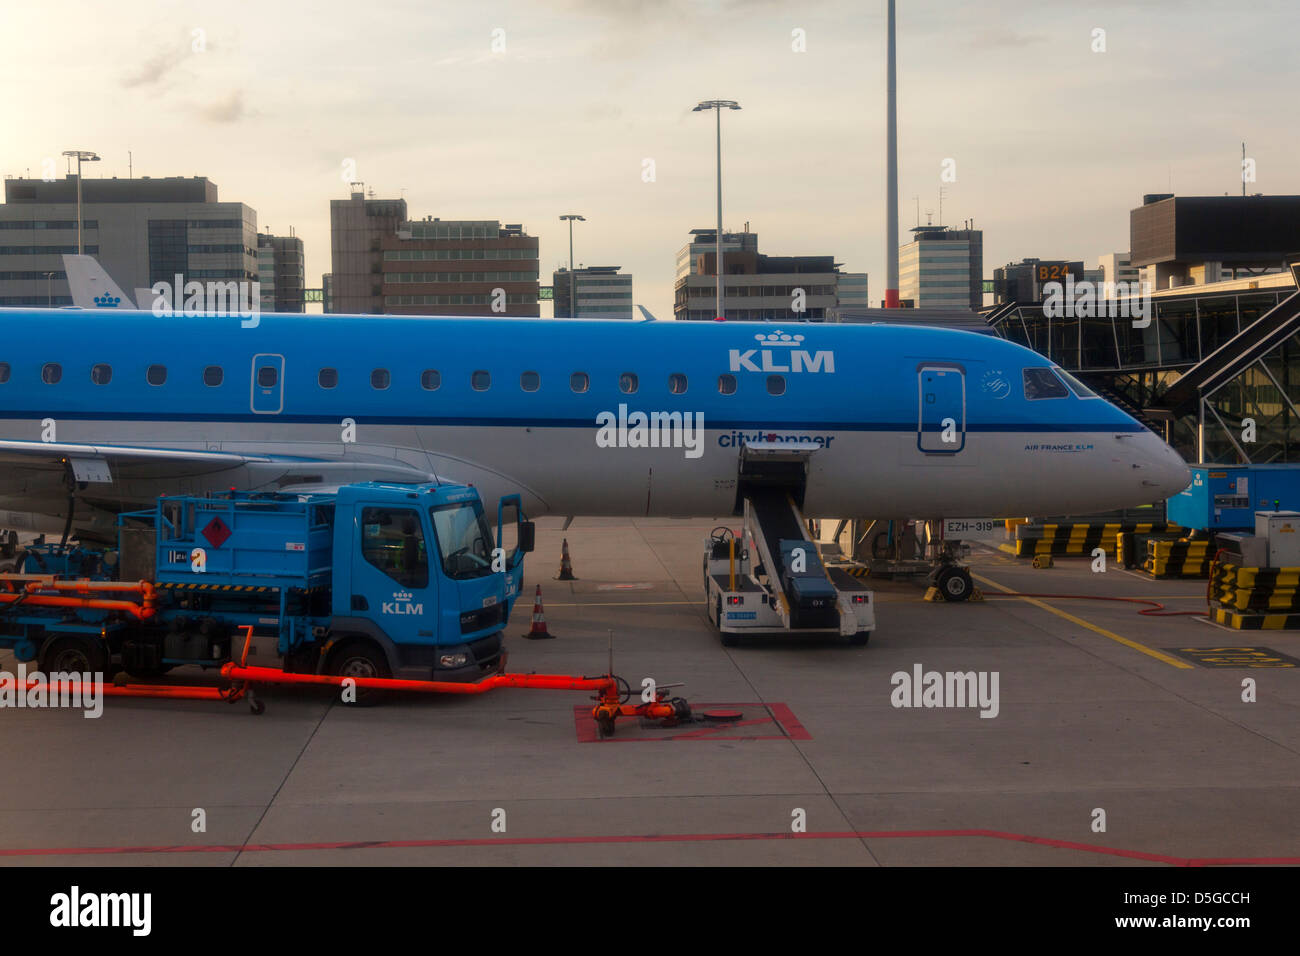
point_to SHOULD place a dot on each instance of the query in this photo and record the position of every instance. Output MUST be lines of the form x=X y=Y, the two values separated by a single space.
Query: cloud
x=156 y=68
x=228 y=109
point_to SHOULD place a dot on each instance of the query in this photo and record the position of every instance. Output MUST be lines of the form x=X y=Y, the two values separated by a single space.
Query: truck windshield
x=464 y=539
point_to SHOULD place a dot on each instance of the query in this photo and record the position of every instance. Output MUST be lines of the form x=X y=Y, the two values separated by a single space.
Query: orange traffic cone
x=538 y=631
x=566 y=566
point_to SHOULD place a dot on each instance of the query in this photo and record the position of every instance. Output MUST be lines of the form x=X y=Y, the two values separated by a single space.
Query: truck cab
x=418 y=571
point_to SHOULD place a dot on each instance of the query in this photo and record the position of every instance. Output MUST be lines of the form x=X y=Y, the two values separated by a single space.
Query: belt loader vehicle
x=771 y=578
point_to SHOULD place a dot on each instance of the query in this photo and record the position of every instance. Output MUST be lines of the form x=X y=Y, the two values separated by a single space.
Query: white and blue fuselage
x=901 y=420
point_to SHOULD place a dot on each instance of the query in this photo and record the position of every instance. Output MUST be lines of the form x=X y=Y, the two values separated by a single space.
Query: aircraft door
x=941 y=422
x=268 y=384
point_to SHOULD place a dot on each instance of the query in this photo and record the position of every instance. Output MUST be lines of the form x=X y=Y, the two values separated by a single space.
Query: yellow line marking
x=625 y=604
x=1150 y=652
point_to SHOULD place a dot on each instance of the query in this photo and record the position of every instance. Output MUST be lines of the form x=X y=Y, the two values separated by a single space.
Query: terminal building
x=758 y=287
x=1195 y=360
x=142 y=231
x=602 y=293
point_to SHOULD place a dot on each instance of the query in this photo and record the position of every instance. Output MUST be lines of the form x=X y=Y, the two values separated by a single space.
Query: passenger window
x=677 y=383
x=327 y=377
x=1041 y=383
x=51 y=373
x=627 y=383
x=4 y=372
x=727 y=384
x=213 y=376
x=530 y=381
x=481 y=380
x=380 y=378
x=267 y=376
x=101 y=374
x=776 y=385
x=430 y=379
x=393 y=542
x=156 y=375
x=579 y=381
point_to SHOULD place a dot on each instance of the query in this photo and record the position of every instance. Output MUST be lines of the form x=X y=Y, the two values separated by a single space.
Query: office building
x=603 y=293
x=759 y=287
x=1194 y=240
x=460 y=267
x=142 y=231
x=281 y=268
x=358 y=227
x=1117 y=267
x=942 y=268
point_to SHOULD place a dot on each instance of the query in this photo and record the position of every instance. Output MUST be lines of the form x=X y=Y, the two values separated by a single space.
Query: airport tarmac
x=1099 y=709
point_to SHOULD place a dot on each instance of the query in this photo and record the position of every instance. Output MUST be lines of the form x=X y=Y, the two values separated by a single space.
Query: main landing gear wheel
x=954 y=584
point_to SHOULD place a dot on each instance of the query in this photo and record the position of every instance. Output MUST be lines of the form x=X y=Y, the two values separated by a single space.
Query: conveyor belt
x=776 y=521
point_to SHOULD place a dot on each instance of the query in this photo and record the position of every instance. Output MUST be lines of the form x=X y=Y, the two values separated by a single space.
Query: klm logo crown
x=778 y=339
x=107 y=301
x=402 y=596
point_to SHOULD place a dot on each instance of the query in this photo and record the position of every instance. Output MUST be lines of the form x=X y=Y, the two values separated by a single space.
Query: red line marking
x=661 y=838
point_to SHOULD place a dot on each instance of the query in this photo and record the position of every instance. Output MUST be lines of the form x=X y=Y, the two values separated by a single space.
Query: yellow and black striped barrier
x=1233 y=576
x=1178 y=559
x=1083 y=537
x=1255 y=622
x=1258 y=599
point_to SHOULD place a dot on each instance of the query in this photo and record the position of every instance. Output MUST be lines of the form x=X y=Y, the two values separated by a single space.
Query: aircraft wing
x=105 y=464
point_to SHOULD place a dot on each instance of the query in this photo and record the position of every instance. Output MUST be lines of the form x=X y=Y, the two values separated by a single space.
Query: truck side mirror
x=527 y=536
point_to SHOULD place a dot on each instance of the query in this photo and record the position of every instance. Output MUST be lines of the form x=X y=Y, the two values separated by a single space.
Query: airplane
x=102 y=410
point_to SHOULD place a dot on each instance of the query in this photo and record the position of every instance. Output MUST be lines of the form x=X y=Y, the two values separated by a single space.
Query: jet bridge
x=768 y=576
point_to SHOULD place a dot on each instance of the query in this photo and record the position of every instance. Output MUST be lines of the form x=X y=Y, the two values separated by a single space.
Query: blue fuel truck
x=377 y=579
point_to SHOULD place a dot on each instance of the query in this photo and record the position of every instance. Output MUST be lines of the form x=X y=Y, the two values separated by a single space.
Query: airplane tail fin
x=647 y=317
x=91 y=286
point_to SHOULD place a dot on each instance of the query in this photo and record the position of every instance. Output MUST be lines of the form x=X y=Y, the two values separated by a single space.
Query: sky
x=524 y=111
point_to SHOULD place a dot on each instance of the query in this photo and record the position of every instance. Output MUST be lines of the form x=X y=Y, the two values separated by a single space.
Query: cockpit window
x=1041 y=383
x=1076 y=386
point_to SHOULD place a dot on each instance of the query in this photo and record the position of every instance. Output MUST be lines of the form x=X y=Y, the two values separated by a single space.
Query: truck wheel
x=860 y=639
x=81 y=655
x=954 y=584
x=360 y=659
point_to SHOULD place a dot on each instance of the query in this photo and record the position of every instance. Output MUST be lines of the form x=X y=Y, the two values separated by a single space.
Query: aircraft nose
x=1163 y=470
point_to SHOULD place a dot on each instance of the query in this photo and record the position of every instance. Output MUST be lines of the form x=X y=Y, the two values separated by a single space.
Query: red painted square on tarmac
x=758 y=721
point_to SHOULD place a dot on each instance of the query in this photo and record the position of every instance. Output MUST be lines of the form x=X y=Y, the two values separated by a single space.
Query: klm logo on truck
x=401 y=604
x=780 y=352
